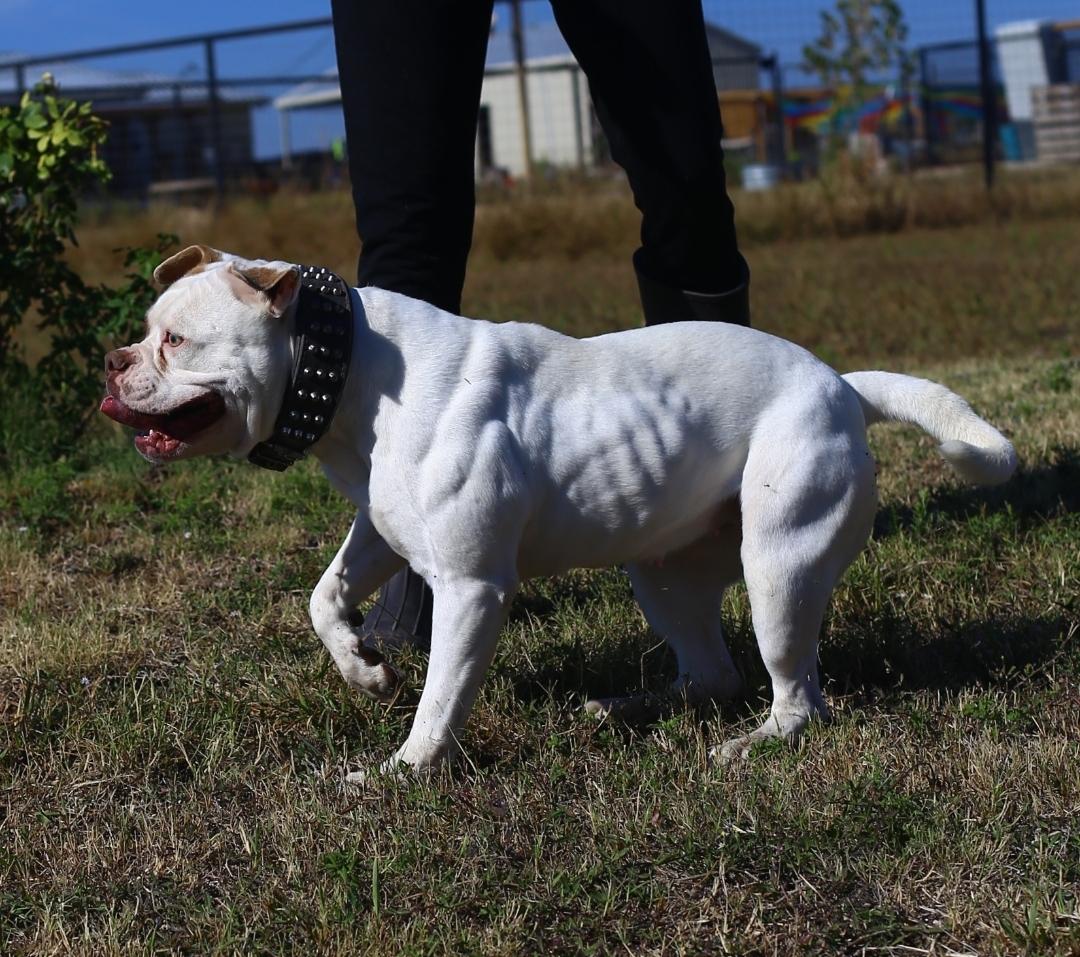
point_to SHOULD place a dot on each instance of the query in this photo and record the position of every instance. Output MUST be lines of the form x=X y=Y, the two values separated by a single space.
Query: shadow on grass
x=1032 y=495
x=895 y=656
x=572 y=592
x=891 y=656
x=884 y=656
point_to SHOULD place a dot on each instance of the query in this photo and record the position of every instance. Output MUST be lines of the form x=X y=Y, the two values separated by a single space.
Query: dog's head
x=209 y=375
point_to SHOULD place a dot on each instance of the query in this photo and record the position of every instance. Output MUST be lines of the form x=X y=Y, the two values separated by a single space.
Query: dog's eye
x=173 y=339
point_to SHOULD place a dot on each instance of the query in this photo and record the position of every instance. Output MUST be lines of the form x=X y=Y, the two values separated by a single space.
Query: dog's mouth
x=165 y=435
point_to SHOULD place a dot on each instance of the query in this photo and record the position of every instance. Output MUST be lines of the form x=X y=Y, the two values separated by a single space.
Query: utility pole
x=989 y=98
x=517 y=36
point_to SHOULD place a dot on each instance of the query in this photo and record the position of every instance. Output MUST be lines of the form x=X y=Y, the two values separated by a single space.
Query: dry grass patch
x=999 y=285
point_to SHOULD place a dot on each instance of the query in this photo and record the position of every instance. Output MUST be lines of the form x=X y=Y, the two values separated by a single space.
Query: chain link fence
x=195 y=117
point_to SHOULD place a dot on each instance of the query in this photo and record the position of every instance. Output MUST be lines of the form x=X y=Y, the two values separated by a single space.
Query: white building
x=562 y=124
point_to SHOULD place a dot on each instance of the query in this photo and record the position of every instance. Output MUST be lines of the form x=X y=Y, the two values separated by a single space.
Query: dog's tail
x=972 y=446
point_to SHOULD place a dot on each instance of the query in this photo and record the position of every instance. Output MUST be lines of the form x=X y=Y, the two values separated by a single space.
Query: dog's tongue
x=183 y=422
x=118 y=412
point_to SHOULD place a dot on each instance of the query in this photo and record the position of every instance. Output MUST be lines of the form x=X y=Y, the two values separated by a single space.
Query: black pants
x=410 y=81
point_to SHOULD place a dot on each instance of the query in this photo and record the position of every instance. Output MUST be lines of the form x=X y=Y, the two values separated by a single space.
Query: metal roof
x=311 y=94
x=543 y=44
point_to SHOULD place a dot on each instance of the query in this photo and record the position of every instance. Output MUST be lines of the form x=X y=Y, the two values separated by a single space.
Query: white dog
x=484 y=454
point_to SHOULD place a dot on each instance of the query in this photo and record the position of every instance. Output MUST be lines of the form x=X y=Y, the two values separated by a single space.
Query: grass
x=172 y=734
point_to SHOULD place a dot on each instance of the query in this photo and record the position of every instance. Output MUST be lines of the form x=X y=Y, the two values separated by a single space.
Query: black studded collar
x=322 y=337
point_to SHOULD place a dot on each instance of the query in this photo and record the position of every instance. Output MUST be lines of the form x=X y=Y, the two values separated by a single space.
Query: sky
x=43 y=26
x=48 y=26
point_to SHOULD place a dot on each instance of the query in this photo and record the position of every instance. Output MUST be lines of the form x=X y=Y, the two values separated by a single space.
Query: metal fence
x=193 y=116
x=1030 y=64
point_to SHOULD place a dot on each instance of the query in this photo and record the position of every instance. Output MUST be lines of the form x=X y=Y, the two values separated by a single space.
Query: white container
x=1022 y=49
x=760 y=176
x=1028 y=55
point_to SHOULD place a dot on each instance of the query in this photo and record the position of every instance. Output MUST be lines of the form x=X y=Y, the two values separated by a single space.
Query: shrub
x=48 y=161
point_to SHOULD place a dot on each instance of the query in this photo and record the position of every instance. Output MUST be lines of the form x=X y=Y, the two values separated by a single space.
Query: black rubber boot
x=662 y=303
x=401 y=614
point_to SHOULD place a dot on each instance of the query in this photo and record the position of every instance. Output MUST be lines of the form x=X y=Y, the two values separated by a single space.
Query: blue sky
x=46 y=26
x=42 y=26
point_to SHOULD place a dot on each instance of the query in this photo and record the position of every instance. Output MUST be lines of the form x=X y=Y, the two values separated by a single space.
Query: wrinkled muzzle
x=162 y=434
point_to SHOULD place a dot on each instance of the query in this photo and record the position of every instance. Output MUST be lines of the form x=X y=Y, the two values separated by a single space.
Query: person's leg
x=651 y=79
x=410 y=86
x=410 y=75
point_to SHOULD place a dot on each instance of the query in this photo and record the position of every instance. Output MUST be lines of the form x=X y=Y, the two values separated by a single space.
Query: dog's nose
x=118 y=360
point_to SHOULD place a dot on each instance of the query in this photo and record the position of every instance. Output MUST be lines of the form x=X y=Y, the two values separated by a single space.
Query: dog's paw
x=388 y=772
x=405 y=764
x=735 y=749
x=749 y=746
x=631 y=709
x=780 y=731
x=372 y=675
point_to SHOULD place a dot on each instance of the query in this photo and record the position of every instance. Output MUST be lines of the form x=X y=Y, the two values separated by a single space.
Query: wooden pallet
x=1056 y=115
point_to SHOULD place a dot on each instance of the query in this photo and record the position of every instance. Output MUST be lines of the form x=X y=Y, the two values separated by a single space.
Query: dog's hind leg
x=808 y=506
x=681 y=598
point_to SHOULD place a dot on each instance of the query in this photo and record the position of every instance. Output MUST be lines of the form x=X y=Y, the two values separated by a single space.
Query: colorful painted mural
x=822 y=113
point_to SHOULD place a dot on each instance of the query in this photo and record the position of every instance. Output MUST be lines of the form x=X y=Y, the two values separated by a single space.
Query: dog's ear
x=184 y=262
x=278 y=282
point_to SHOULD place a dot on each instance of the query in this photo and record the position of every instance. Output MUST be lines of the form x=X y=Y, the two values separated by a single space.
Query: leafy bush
x=48 y=161
x=859 y=38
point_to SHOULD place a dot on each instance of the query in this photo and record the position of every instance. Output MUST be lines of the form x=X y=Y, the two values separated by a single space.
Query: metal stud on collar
x=322 y=331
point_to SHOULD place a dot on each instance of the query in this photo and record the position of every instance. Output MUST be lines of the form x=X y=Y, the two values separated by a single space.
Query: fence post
x=781 y=126
x=215 y=119
x=517 y=37
x=906 y=98
x=989 y=100
x=926 y=106
x=20 y=80
x=579 y=135
x=285 y=129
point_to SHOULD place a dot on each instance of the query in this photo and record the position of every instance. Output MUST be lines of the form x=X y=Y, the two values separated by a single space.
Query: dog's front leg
x=361 y=565
x=467 y=617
